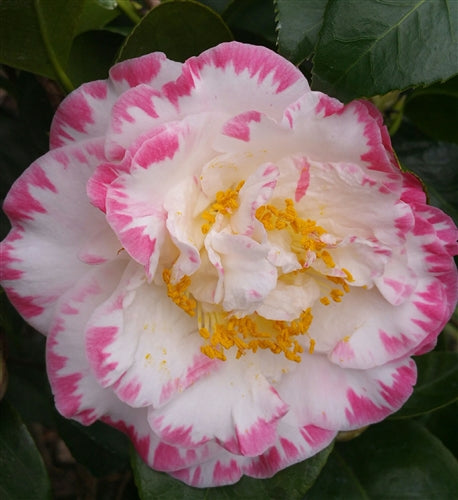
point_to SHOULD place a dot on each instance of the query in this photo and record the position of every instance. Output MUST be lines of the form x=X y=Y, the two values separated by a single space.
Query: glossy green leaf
x=217 y=5
x=401 y=460
x=290 y=483
x=22 y=470
x=36 y=35
x=96 y=14
x=179 y=28
x=298 y=25
x=252 y=21
x=434 y=162
x=437 y=384
x=442 y=424
x=372 y=47
x=92 y=55
x=101 y=448
x=435 y=110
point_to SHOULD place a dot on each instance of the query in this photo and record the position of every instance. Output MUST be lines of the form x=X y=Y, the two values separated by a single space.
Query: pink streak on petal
x=181 y=436
x=290 y=450
x=168 y=458
x=158 y=148
x=404 y=379
x=140 y=70
x=255 y=440
x=343 y=351
x=302 y=183
x=128 y=392
x=25 y=304
x=225 y=474
x=329 y=106
x=96 y=186
x=394 y=344
x=316 y=436
x=140 y=97
x=98 y=338
x=238 y=127
x=20 y=203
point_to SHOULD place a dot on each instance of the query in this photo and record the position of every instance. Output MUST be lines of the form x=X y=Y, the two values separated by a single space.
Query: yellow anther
x=325 y=301
x=336 y=295
x=226 y=202
x=312 y=346
x=177 y=292
x=251 y=333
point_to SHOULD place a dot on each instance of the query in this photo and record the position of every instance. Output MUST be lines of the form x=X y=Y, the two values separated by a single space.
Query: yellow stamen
x=177 y=292
x=226 y=202
x=251 y=333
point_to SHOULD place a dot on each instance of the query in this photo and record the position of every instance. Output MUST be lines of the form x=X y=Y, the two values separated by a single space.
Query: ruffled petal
x=51 y=220
x=342 y=399
x=142 y=345
x=82 y=115
x=233 y=78
x=237 y=406
x=76 y=392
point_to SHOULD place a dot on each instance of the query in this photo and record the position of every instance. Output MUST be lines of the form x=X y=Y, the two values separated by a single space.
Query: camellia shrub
x=230 y=264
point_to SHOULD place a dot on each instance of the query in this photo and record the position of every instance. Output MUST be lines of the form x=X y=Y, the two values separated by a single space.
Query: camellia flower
x=229 y=267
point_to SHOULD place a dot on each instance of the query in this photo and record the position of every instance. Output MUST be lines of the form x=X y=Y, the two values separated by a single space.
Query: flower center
x=223 y=330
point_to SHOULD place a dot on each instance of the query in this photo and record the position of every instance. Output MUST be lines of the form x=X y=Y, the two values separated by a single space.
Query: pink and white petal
x=77 y=394
x=137 y=111
x=151 y=69
x=256 y=191
x=248 y=275
x=338 y=133
x=82 y=115
x=341 y=399
x=234 y=78
x=365 y=330
x=143 y=345
x=295 y=442
x=286 y=302
x=221 y=469
x=292 y=446
x=51 y=217
x=235 y=405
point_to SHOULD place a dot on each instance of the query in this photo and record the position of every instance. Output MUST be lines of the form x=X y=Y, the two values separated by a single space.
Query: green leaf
x=180 y=28
x=101 y=448
x=96 y=14
x=392 y=460
x=434 y=110
x=92 y=55
x=372 y=47
x=290 y=483
x=442 y=424
x=434 y=162
x=437 y=384
x=252 y=21
x=217 y=5
x=298 y=25
x=22 y=470
x=36 y=35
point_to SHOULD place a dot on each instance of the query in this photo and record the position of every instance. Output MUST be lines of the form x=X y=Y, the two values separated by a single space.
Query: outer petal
x=51 y=220
x=152 y=69
x=83 y=114
x=237 y=406
x=234 y=78
x=143 y=345
x=341 y=399
x=75 y=390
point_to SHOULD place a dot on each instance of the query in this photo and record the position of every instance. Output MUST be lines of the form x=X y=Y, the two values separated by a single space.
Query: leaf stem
x=61 y=75
x=129 y=11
